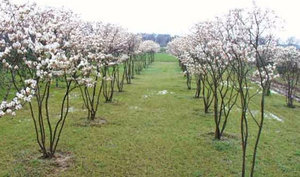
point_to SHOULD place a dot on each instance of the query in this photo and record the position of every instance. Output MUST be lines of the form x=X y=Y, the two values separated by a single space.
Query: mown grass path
x=154 y=128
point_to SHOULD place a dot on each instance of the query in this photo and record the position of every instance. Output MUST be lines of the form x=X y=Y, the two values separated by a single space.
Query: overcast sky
x=171 y=16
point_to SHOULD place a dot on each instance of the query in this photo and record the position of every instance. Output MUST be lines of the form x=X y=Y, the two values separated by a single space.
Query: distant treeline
x=161 y=39
x=291 y=41
x=295 y=45
x=164 y=39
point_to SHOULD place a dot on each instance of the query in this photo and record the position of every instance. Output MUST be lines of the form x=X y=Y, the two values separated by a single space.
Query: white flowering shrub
x=180 y=47
x=226 y=54
x=288 y=59
x=39 y=46
x=148 y=48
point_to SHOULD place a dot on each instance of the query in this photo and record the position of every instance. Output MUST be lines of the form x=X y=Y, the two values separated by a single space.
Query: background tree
x=288 y=59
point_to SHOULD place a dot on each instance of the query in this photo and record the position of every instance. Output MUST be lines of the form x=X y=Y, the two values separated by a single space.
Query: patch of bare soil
x=61 y=162
x=225 y=136
x=98 y=122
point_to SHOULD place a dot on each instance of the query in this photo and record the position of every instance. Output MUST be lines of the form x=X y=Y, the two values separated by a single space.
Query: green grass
x=148 y=134
x=161 y=57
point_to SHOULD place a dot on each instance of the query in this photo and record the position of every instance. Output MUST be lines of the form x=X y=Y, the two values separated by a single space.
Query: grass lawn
x=149 y=133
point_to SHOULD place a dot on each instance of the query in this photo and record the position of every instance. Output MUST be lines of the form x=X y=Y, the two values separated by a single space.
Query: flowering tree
x=132 y=48
x=148 y=48
x=107 y=47
x=88 y=46
x=249 y=43
x=214 y=63
x=113 y=45
x=206 y=60
x=224 y=52
x=288 y=59
x=13 y=44
x=38 y=48
x=179 y=48
x=260 y=25
x=241 y=55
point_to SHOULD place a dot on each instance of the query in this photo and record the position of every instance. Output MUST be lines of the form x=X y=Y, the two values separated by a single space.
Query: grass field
x=150 y=133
